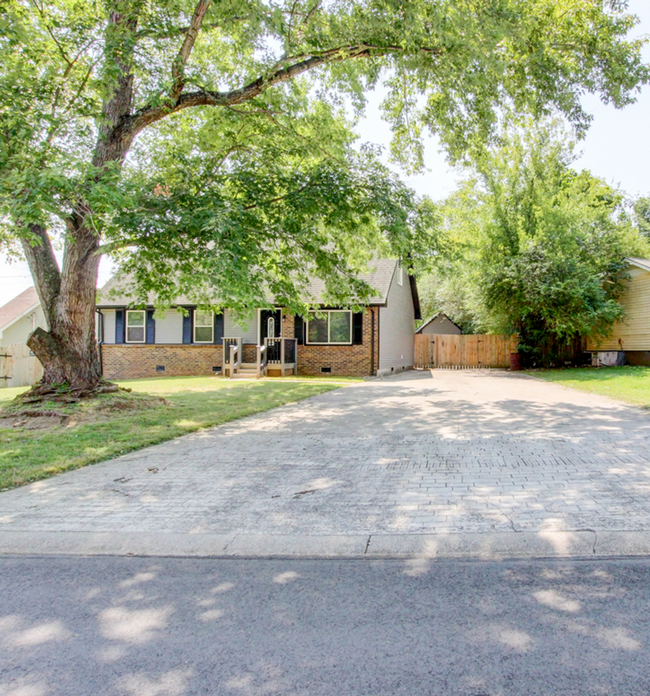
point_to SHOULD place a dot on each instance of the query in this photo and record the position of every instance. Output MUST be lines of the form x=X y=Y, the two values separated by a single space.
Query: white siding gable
x=396 y=326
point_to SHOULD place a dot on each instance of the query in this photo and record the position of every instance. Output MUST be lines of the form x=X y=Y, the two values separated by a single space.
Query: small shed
x=631 y=336
x=439 y=324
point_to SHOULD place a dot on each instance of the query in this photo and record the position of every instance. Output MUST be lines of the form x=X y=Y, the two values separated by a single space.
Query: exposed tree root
x=63 y=393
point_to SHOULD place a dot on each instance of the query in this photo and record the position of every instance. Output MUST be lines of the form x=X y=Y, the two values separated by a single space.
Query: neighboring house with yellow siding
x=631 y=336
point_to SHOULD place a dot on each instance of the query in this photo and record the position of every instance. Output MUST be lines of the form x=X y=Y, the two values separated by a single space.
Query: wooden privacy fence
x=472 y=351
x=18 y=367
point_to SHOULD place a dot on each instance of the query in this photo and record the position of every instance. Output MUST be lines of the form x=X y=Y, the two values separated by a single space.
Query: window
x=136 y=320
x=203 y=326
x=335 y=327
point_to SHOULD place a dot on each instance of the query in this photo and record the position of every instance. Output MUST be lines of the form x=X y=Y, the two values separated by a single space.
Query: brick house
x=188 y=341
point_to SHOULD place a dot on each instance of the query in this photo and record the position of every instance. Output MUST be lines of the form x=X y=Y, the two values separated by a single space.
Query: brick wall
x=139 y=361
x=350 y=361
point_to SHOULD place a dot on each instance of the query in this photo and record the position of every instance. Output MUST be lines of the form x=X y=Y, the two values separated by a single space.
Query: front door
x=270 y=324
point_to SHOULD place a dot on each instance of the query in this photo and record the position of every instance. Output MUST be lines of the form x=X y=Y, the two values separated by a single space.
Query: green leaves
x=540 y=247
x=257 y=232
x=267 y=154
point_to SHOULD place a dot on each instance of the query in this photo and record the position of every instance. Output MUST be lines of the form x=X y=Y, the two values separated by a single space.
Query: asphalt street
x=72 y=626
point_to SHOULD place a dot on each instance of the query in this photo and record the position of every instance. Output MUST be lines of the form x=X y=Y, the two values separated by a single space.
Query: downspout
x=372 y=342
x=378 y=332
x=100 y=340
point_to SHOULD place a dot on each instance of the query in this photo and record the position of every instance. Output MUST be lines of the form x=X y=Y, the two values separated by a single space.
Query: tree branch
x=43 y=266
x=151 y=114
x=174 y=32
x=112 y=144
x=178 y=68
x=277 y=199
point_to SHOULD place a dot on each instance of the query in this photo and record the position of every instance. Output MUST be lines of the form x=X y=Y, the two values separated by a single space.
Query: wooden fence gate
x=18 y=366
x=472 y=351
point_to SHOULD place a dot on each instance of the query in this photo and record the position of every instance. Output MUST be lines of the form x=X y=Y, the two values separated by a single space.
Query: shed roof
x=440 y=315
x=18 y=307
x=116 y=291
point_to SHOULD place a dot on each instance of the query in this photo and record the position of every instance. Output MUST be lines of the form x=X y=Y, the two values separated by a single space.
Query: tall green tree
x=642 y=215
x=82 y=83
x=539 y=246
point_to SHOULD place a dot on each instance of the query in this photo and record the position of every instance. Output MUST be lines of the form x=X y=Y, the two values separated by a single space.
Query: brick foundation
x=139 y=361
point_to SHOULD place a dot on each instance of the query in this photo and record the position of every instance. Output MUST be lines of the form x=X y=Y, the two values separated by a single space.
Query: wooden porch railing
x=262 y=361
x=232 y=355
x=281 y=354
x=277 y=354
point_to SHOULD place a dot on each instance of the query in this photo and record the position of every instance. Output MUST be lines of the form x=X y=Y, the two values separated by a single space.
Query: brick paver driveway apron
x=448 y=452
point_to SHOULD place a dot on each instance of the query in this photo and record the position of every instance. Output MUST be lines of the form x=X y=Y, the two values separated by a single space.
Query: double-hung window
x=334 y=328
x=203 y=326
x=136 y=320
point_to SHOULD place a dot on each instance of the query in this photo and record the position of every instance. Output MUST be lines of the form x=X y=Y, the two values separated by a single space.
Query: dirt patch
x=101 y=408
x=34 y=422
x=130 y=402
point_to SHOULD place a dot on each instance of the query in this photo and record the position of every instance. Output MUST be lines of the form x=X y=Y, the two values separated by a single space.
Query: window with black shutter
x=357 y=329
x=299 y=330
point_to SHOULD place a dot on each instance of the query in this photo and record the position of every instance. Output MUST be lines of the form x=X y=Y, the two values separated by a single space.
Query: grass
x=112 y=424
x=630 y=384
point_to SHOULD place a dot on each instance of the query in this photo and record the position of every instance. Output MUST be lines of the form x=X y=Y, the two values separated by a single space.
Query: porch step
x=246 y=371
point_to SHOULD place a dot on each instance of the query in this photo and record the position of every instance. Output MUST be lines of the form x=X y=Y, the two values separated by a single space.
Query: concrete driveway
x=453 y=457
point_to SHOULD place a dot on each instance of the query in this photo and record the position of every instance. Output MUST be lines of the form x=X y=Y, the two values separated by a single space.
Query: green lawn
x=113 y=424
x=631 y=384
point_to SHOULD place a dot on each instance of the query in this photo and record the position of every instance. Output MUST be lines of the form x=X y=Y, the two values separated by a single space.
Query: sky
x=617 y=148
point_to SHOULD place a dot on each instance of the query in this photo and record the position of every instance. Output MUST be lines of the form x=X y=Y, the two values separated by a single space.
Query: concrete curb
x=491 y=546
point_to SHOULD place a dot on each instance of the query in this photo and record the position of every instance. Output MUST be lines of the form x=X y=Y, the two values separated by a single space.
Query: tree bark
x=68 y=350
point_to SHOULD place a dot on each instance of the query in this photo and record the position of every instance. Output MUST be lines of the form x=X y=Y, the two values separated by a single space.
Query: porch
x=276 y=357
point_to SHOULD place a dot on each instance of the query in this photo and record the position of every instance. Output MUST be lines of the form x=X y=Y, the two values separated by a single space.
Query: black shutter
x=299 y=330
x=218 y=327
x=357 y=329
x=187 y=326
x=119 y=326
x=151 y=327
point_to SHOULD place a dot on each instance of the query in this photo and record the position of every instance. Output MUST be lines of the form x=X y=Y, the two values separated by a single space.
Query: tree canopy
x=537 y=246
x=114 y=113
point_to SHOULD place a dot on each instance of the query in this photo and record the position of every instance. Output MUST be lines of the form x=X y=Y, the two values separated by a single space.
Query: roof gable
x=17 y=308
x=639 y=263
x=440 y=315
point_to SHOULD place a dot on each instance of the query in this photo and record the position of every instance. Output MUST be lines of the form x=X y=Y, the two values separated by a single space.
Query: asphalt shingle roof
x=116 y=291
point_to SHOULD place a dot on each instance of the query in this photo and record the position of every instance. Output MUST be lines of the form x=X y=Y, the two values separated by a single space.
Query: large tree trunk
x=68 y=350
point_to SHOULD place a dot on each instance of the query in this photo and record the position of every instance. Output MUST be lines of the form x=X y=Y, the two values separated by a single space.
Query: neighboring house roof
x=17 y=308
x=639 y=263
x=115 y=293
x=440 y=315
